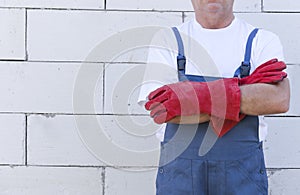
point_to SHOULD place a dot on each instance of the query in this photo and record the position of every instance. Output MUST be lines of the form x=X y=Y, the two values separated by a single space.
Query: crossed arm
x=256 y=99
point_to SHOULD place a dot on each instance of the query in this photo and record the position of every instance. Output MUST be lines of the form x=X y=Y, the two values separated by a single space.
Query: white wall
x=53 y=53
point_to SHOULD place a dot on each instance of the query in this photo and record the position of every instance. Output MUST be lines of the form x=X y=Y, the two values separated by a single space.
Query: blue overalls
x=233 y=166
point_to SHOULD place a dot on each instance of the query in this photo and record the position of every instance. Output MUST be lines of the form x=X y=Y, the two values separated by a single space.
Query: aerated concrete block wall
x=69 y=122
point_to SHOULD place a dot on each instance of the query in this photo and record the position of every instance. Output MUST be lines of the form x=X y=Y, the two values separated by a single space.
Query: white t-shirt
x=209 y=52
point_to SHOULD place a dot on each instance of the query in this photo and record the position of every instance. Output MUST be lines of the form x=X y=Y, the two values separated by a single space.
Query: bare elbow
x=285 y=106
x=284 y=103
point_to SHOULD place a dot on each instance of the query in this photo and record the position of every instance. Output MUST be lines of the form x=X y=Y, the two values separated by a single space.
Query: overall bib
x=233 y=166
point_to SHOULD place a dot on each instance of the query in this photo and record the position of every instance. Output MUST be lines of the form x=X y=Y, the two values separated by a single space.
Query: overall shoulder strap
x=181 y=60
x=244 y=69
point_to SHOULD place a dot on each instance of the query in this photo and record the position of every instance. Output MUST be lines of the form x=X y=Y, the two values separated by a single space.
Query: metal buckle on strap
x=181 y=61
x=244 y=69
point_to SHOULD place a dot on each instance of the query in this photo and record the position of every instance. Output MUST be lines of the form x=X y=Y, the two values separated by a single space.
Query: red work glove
x=220 y=98
x=192 y=98
x=269 y=72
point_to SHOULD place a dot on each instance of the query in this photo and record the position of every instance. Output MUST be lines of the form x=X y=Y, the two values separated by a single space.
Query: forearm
x=256 y=99
x=263 y=99
x=195 y=119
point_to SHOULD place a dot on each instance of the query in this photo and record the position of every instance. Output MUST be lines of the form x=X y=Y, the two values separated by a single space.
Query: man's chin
x=213 y=7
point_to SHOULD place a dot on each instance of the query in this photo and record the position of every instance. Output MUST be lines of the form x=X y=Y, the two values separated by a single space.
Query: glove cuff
x=225 y=98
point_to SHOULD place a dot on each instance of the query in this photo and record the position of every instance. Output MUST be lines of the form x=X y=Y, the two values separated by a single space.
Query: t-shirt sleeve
x=268 y=46
x=160 y=68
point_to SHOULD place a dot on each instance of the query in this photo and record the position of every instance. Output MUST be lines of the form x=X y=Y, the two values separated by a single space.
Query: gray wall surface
x=45 y=48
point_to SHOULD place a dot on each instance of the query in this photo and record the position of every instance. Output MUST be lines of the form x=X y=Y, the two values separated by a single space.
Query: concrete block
x=293 y=75
x=12 y=34
x=284 y=181
x=122 y=85
x=69 y=4
x=281 y=6
x=57 y=35
x=50 y=180
x=121 y=140
x=50 y=87
x=282 y=148
x=92 y=140
x=130 y=181
x=12 y=139
x=247 y=6
x=175 y=5
x=55 y=140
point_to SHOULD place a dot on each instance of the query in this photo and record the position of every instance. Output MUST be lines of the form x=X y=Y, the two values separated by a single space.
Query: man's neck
x=214 y=21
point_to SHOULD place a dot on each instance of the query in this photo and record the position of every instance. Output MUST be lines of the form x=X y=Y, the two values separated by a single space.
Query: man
x=235 y=163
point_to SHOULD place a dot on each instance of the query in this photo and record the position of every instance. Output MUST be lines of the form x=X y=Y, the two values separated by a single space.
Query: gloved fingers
x=163 y=117
x=280 y=74
x=151 y=104
x=268 y=63
x=157 y=92
x=271 y=74
x=274 y=67
x=284 y=75
x=268 y=77
x=272 y=77
x=272 y=61
x=157 y=110
x=278 y=66
x=272 y=80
